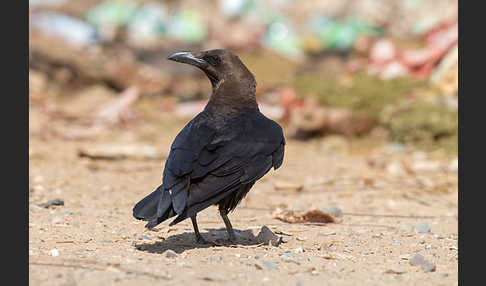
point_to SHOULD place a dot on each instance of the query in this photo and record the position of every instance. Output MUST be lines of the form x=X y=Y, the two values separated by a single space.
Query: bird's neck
x=232 y=98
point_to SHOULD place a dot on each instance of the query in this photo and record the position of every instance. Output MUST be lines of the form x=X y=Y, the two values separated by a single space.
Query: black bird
x=218 y=156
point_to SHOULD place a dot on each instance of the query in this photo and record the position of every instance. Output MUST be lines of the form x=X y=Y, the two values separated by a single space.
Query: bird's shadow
x=186 y=241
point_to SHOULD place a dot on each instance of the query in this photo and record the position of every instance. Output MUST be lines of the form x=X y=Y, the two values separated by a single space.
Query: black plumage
x=219 y=155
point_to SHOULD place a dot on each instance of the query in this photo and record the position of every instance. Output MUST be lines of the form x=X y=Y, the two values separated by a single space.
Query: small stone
x=56 y=220
x=290 y=260
x=443 y=275
x=398 y=277
x=267 y=236
x=334 y=211
x=428 y=266
x=186 y=264
x=417 y=259
x=299 y=250
x=285 y=252
x=422 y=227
x=143 y=237
x=285 y=239
x=265 y=264
x=405 y=257
x=55 y=202
x=54 y=252
x=397 y=269
x=59 y=275
x=67 y=212
x=406 y=228
x=170 y=254
x=215 y=259
x=212 y=277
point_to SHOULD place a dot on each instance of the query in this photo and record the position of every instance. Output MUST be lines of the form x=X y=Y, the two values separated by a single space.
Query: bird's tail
x=154 y=208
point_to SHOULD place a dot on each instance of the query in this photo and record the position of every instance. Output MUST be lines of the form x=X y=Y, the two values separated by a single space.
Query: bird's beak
x=188 y=58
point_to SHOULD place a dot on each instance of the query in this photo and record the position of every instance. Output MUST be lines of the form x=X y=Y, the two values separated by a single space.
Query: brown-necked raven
x=218 y=156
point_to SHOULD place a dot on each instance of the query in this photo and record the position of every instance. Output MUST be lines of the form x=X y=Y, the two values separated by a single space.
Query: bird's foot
x=231 y=240
x=201 y=240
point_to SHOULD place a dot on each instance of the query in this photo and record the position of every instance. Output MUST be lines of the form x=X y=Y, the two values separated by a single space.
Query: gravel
x=144 y=237
x=422 y=227
x=288 y=259
x=299 y=250
x=54 y=252
x=443 y=275
x=406 y=228
x=170 y=254
x=56 y=220
x=265 y=264
x=417 y=259
x=215 y=259
x=428 y=266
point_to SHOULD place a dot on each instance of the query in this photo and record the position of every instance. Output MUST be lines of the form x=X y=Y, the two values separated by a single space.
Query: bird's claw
x=201 y=240
x=232 y=240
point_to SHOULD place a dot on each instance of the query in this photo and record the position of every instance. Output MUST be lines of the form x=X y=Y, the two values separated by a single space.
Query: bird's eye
x=212 y=60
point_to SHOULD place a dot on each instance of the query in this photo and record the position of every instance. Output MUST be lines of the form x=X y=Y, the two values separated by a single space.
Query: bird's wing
x=204 y=166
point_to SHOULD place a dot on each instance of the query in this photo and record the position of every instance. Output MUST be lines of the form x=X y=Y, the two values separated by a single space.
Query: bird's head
x=220 y=66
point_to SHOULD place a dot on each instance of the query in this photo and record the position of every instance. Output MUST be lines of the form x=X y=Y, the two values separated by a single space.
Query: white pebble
x=54 y=252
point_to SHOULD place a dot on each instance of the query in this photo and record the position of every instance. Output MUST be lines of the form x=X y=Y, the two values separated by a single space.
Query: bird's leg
x=199 y=238
x=229 y=228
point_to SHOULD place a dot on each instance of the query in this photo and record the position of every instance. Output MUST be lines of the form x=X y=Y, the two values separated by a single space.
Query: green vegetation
x=425 y=124
x=365 y=94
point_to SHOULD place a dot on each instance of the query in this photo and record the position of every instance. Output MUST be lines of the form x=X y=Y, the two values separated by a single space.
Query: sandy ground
x=383 y=192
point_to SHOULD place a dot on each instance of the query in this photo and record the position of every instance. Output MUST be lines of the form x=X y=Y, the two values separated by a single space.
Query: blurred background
x=380 y=69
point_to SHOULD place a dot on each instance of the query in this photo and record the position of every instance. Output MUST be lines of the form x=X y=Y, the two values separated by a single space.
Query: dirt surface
x=384 y=192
